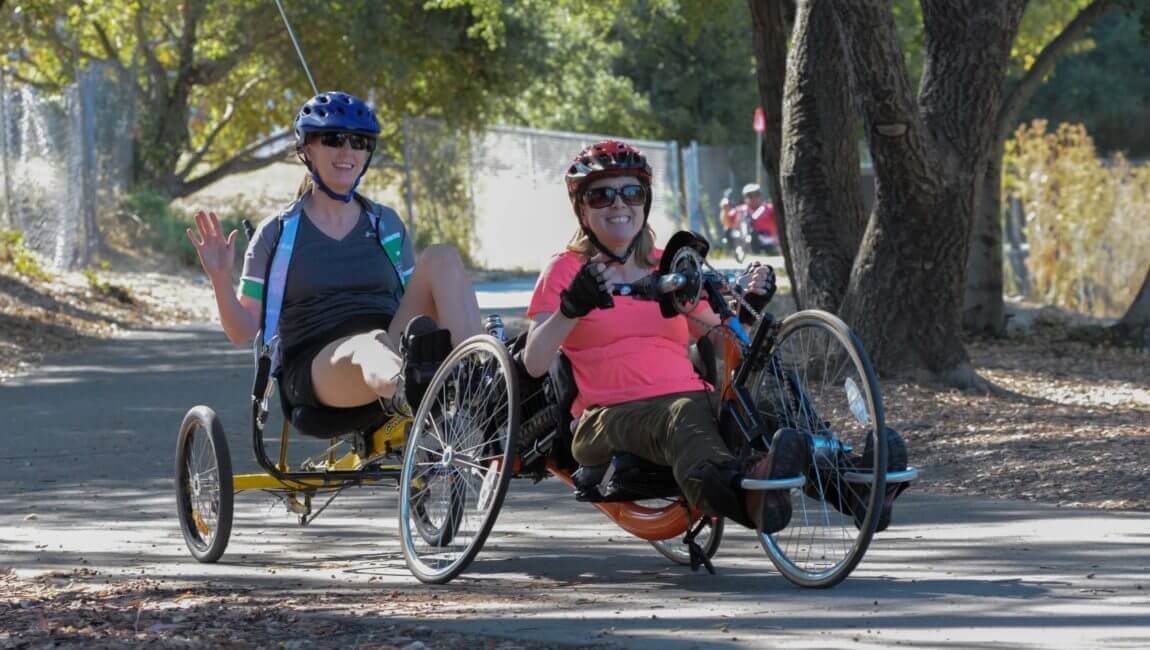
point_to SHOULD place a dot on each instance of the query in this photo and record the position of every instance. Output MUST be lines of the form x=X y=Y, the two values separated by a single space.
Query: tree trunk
x=983 y=312
x=820 y=165
x=769 y=20
x=907 y=283
x=1134 y=327
x=164 y=133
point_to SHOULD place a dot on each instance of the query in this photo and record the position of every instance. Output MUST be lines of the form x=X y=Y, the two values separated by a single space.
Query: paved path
x=85 y=481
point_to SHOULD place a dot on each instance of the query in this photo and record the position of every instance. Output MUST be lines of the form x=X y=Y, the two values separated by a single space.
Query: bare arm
x=547 y=333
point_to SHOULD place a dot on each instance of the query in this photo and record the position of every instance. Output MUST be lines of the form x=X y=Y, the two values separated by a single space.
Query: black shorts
x=295 y=370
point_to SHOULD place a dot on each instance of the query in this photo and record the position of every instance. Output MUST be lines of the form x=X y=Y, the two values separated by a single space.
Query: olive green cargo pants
x=679 y=430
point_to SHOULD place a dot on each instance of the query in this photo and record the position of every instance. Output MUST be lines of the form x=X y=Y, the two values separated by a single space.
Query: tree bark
x=770 y=24
x=906 y=287
x=1134 y=327
x=983 y=312
x=820 y=164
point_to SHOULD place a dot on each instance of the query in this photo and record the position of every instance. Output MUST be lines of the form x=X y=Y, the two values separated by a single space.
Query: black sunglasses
x=336 y=140
x=602 y=197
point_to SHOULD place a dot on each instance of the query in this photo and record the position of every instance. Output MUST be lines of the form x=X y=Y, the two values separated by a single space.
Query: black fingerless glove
x=584 y=294
x=757 y=301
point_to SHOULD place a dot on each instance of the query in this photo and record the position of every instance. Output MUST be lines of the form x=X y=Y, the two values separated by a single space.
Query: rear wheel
x=458 y=460
x=204 y=487
x=819 y=381
x=708 y=539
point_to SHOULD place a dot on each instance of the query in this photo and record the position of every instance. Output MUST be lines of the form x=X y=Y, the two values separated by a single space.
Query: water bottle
x=494 y=326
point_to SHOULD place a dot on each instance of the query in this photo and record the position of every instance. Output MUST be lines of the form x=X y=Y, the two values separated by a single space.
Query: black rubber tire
x=204 y=496
x=447 y=436
x=823 y=544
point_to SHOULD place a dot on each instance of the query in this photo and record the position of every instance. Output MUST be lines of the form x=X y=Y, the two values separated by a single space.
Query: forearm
x=543 y=341
x=237 y=322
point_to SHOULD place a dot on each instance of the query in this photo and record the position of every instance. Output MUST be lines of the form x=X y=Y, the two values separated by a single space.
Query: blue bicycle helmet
x=340 y=112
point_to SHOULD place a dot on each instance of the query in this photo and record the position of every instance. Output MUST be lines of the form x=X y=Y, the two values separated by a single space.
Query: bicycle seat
x=626 y=477
x=327 y=422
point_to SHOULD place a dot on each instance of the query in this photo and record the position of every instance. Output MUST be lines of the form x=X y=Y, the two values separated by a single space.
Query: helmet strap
x=343 y=198
x=618 y=259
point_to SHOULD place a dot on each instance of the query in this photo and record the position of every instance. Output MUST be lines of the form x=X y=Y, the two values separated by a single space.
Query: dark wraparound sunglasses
x=602 y=197
x=336 y=140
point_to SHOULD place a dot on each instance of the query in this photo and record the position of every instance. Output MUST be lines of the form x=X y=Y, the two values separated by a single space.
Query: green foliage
x=17 y=256
x=1106 y=87
x=107 y=289
x=695 y=64
x=165 y=227
x=214 y=77
x=1085 y=218
x=439 y=184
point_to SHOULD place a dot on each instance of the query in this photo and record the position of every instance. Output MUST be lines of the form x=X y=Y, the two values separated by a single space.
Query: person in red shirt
x=761 y=215
x=637 y=390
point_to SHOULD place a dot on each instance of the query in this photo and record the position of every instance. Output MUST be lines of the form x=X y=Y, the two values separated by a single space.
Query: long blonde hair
x=306 y=185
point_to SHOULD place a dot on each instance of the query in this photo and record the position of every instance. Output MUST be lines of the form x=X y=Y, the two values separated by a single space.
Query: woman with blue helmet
x=332 y=282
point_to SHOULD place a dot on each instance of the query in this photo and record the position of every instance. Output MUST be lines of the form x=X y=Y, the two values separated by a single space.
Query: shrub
x=1086 y=218
x=14 y=253
x=166 y=226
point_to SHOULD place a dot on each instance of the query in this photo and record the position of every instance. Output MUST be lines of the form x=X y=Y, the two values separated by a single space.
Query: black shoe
x=423 y=347
x=852 y=499
x=770 y=510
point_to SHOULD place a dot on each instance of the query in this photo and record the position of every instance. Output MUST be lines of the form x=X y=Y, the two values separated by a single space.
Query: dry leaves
x=80 y=610
x=1077 y=434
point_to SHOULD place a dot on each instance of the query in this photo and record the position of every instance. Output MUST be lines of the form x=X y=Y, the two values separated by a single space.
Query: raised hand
x=217 y=254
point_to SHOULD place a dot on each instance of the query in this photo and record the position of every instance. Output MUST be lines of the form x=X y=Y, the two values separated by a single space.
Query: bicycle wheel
x=458 y=460
x=204 y=488
x=709 y=539
x=437 y=516
x=819 y=380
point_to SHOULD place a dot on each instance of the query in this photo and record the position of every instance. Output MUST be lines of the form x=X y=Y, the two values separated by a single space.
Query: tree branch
x=155 y=68
x=229 y=113
x=42 y=85
x=241 y=162
x=1022 y=91
x=106 y=43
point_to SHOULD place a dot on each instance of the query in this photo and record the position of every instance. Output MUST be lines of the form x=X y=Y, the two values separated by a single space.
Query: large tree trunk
x=1134 y=328
x=820 y=165
x=164 y=121
x=770 y=21
x=906 y=288
x=983 y=312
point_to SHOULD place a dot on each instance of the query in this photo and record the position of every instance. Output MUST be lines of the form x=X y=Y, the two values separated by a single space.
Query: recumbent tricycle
x=483 y=421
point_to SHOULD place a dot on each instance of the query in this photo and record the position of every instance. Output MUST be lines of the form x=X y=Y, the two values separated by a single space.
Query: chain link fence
x=64 y=158
x=499 y=194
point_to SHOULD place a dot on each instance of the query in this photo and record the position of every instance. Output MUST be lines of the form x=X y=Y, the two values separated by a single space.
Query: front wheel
x=818 y=380
x=204 y=487
x=459 y=459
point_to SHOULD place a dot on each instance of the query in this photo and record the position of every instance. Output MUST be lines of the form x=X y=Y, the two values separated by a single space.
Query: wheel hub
x=448 y=456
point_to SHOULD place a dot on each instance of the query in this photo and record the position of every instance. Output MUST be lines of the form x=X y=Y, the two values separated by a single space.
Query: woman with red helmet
x=637 y=389
x=355 y=291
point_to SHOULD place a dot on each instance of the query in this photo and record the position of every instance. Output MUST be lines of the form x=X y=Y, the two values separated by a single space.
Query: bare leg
x=355 y=370
x=440 y=289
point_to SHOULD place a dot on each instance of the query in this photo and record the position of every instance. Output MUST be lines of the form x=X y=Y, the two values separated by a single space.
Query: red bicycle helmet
x=608 y=158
